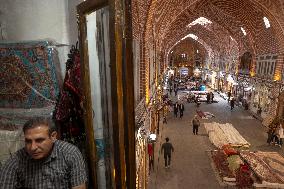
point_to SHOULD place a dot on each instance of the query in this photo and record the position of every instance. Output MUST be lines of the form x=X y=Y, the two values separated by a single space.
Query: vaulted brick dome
x=236 y=27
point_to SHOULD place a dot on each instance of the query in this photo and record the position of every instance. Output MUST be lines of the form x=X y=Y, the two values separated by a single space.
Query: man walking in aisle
x=176 y=108
x=168 y=148
x=232 y=103
x=195 y=124
x=181 y=109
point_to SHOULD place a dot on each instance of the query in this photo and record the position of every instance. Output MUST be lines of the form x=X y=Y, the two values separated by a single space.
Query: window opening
x=201 y=20
x=244 y=31
x=266 y=22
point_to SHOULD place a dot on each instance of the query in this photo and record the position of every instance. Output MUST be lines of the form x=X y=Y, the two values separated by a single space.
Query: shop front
x=221 y=82
x=214 y=80
x=230 y=83
x=260 y=99
x=183 y=71
x=197 y=72
x=142 y=158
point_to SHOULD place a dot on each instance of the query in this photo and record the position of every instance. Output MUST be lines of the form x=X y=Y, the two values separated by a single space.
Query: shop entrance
x=281 y=106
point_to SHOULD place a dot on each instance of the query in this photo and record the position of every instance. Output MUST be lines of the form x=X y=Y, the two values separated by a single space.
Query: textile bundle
x=222 y=134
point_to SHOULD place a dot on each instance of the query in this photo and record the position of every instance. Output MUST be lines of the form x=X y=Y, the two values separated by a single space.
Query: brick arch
x=258 y=40
x=213 y=39
x=189 y=47
x=161 y=15
x=219 y=17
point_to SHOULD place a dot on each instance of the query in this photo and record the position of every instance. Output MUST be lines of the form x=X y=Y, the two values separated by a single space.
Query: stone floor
x=191 y=166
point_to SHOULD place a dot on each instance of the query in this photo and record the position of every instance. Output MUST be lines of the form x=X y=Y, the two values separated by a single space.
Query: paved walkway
x=191 y=166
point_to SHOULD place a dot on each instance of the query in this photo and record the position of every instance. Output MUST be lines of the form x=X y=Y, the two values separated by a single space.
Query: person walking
x=208 y=98
x=176 y=91
x=229 y=96
x=211 y=97
x=176 y=107
x=270 y=135
x=181 y=109
x=151 y=155
x=195 y=124
x=232 y=103
x=167 y=148
x=280 y=135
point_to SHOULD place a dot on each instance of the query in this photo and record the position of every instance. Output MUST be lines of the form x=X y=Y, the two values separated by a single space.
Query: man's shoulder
x=66 y=148
x=20 y=155
x=15 y=160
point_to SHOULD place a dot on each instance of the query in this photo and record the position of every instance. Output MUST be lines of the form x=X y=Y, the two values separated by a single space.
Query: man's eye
x=28 y=141
x=40 y=140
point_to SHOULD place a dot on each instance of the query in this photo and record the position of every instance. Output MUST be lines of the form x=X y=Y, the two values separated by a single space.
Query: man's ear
x=53 y=136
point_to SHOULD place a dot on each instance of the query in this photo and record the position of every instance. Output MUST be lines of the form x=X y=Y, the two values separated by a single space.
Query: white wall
x=22 y=20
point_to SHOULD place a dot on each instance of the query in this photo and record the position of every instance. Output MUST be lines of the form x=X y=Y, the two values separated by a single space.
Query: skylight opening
x=201 y=20
x=244 y=31
x=190 y=35
x=266 y=22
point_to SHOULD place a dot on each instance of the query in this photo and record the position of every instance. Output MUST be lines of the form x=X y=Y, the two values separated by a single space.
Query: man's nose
x=33 y=146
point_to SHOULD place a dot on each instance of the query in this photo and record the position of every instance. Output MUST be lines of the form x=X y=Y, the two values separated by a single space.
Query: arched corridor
x=233 y=48
x=192 y=165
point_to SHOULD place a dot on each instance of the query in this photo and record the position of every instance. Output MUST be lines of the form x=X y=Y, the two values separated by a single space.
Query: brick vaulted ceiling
x=162 y=23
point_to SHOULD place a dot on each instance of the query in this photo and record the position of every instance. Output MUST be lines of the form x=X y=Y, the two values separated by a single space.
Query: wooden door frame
x=83 y=9
x=123 y=171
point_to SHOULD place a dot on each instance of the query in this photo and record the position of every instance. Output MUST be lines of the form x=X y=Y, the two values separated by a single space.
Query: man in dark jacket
x=168 y=148
x=176 y=108
x=195 y=124
x=232 y=103
x=181 y=109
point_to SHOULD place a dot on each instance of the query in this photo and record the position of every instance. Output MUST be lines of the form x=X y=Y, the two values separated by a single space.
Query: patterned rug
x=268 y=166
x=29 y=75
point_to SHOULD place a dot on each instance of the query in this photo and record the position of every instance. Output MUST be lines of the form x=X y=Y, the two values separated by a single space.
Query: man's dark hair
x=35 y=122
x=167 y=139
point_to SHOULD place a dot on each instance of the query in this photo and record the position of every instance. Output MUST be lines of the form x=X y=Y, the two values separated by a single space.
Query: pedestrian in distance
x=44 y=162
x=208 y=98
x=167 y=148
x=181 y=110
x=151 y=155
x=281 y=134
x=232 y=103
x=176 y=91
x=229 y=96
x=165 y=120
x=176 y=107
x=197 y=102
x=211 y=97
x=195 y=124
x=270 y=135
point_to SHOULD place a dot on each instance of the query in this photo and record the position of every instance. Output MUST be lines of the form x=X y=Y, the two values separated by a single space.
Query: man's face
x=38 y=142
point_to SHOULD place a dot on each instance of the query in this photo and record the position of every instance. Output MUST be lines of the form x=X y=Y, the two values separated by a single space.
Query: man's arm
x=78 y=170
